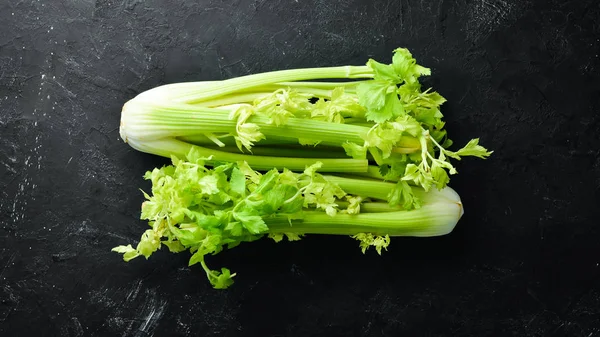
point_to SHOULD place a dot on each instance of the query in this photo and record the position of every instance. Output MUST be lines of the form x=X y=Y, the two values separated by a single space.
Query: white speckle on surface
x=486 y=16
x=51 y=27
x=43 y=76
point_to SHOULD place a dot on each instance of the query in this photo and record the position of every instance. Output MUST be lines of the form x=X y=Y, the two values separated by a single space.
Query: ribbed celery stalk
x=438 y=216
x=216 y=89
x=161 y=128
x=144 y=119
x=167 y=147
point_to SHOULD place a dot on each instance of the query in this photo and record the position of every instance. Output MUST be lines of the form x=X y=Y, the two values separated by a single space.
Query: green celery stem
x=144 y=119
x=427 y=221
x=379 y=190
x=365 y=188
x=286 y=151
x=256 y=80
x=167 y=147
x=371 y=207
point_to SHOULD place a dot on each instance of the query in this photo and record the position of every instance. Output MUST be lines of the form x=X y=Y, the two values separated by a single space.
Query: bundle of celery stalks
x=347 y=150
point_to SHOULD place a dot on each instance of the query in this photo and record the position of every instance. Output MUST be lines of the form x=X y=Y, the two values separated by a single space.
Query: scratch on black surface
x=219 y=58
x=10 y=303
x=70 y=94
x=151 y=312
x=334 y=36
x=10 y=260
x=95 y=45
x=134 y=291
x=78 y=329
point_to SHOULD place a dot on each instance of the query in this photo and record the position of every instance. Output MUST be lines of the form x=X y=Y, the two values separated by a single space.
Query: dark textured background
x=524 y=260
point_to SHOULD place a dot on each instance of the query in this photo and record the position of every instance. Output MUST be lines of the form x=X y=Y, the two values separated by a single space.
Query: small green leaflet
x=222 y=279
x=406 y=67
x=471 y=149
x=380 y=96
x=432 y=171
x=439 y=175
x=129 y=253
x=246 y=133
x=283 y=104
x=251 y=222
x=403 y=195
x=380 y=100
x=235 y=228
x=385 y=137
x=237 y=182
x=353 y=204
x=319 y=192
x=278 y=237
x=369 y=240
x=343 y=105
x=372 y=94
x=355 y=151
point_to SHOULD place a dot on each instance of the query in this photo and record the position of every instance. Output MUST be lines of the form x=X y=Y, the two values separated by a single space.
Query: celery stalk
x=168 y=147
x=434 y=219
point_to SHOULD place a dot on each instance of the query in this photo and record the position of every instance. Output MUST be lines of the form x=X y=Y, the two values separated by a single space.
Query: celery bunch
x=245 y=154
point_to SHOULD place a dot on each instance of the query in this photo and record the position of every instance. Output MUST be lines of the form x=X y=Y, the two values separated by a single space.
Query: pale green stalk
x=158 y=128
x=287 y=151
x=432 y=219
x=144 y=119
x=216 y=89
x=168 y=147
x=371 y=207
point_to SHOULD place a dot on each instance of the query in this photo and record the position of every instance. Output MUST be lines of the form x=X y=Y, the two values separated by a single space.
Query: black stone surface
x=523 y=261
